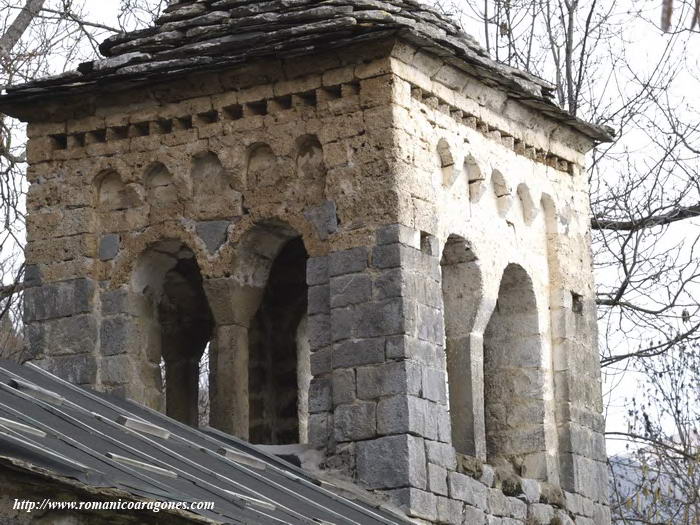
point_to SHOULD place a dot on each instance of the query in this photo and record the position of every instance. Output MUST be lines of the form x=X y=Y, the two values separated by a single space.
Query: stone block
x=380 y=318
x=388 y=379
x=601 y=514
x=68 y=335
x=449 y=511
x=517 y=509
x=342 y=323
x=116 y=302
x=473 y=516
x=35 y=338
x=350 y=289
x=321 y=361
x=116 y=369
x=406 y=414
x=319 y=429
x=444 y=425
x=398 y=233
x=356 y=421
x=488 y=475
x=343 y=386
x=389 y=284
x=320 y=399
x=415 y=503
x=319 y=299
x=76 y=369
x=60 y=299
x=317 y=270
x=353 y=260
x=561 y=517
x=540 y=514
x=441 y=454
x=437 y=479
x=390 y=255
x=430 y=325
x=319 y=331
x=467 y=489
x=531 y=490
x=392 y=462
x=109 y=246
x=498 y=503
x=212 y=233
x=32 y=275
x=434 y=385
x=358 y=352
x=324 y=218
x=119 y=335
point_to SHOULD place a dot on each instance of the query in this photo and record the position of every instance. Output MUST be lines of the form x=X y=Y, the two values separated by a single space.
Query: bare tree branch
x=19 y=26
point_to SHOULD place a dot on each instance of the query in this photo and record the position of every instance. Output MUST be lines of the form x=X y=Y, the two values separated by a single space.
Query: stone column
x=384 y=410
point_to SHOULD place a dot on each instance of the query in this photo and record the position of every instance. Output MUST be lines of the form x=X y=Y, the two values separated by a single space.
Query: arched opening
x=213 y=196
x=461 y=295
x=279 y=370
x=260 y=358
x=514 y=378
x=311 y=167
x=113 y=194
x=178 y=324
x=160 y=187
x=261 y=171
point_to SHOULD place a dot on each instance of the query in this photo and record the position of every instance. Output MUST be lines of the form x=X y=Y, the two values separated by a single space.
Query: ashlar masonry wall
x=444 y=332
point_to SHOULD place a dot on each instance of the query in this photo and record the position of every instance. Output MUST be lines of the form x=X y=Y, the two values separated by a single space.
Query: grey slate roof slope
x=110 y=443
x=211 y=34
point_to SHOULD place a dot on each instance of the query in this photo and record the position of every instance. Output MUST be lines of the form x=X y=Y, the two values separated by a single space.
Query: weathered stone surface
x=467 y=489
x=343 y=386
x=388 y=379
x=58 y=299
x=356 y=421
x=392 y=461
x=348 y=261
x=324 y=219
x=398 y=233
x=540 y=514
x=473 y=515
x=406 y=414
x=109 y=246
x=117 y=335
x=317 y=270
x=358 y=352
x=531 y=490
x=320 y=397
x=437 y=479
x=350 y=289
x=441 y=454
x=319 y=299
x=416 y=503
x=78 y=369
x=213 y=233
x=449 y=511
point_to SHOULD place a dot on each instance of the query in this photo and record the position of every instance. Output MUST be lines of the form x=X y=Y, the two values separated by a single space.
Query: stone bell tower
x=378 y=235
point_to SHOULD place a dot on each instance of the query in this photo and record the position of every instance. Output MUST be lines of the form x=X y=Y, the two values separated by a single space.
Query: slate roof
x=104 y=442
x=212 y=34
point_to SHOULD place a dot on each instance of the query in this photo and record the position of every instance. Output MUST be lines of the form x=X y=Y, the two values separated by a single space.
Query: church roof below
x=212 y=34
x=110 y=447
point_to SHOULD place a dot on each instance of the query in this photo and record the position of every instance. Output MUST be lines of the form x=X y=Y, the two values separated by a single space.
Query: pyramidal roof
x=198 y=35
